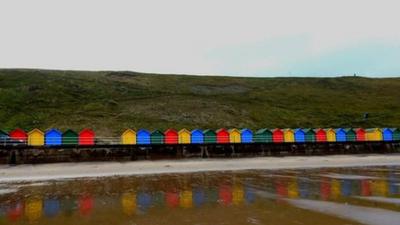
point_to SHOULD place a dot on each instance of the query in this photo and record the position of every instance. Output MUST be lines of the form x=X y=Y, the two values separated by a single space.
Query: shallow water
x=367 y=195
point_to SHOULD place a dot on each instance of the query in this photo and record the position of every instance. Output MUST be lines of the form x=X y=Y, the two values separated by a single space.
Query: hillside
x=112 y=101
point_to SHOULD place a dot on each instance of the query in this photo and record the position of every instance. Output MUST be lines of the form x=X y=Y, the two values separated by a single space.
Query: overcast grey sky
x=225 y=37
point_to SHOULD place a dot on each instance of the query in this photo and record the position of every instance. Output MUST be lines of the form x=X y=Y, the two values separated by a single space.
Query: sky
x=204 y=37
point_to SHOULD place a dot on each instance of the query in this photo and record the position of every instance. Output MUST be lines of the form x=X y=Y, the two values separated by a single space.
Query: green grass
x=109 y=102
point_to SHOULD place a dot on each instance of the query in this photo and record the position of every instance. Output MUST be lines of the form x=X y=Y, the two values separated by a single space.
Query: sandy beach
x=100 y=169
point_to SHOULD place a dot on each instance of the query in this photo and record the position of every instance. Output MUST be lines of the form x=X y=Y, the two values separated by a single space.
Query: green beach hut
x=309 y=134
x=70 y=137
x=209 y=136
x=157 y=137
x=263 y=136
x=396 y=134
x=350 y=134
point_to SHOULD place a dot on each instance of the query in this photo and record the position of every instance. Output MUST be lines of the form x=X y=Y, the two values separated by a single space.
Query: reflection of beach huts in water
x=128 y=203
x=293 y=188
x=184 y=136
x=225 y=194
x=222 y=136
x=209 y=136
x=281 y=187
x=157 y=137
x=51 y=207
x=186 y=199
x=277 y=135
x=143 y=137
x=198 y=196
x=304 y=187
x=325 y=189
x=374 y=134
x=263 y=136
x=211 y=195
x=246 y=135
x=350 y=134
x=171 y=136
x=172 y=199
x=234 y=136
x=128 y=137
x=85 y=205
x=36 y=138
x=360 y=134
x=330 y=135
x=380 y=187
x=143 y=201
x=70 y=137
x=86 y=137
x=288 y=135
x=365 y=187
x=18 y=135
x=320 y=135
x=249 y=194
x=15 y=211
x=299 y=135
x=33 y=208
x=346 y=186
x=340 y=135
x=53 y=137
x=335 y=188
x=197 y=137
x=237 y=194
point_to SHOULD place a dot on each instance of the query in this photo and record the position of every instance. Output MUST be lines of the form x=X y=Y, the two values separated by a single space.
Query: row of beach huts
x=54 y=137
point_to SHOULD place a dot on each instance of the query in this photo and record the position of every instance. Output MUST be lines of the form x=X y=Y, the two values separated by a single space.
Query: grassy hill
x=109 y=102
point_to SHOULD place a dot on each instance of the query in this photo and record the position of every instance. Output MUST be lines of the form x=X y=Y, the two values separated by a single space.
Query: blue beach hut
x=387 y=134
x=299 y=135
x=51 y=207
x=346 y=187
x=197 y=137
x=246 y=135
x=340 y=135
x=53 y=137
x=143 y=201
x=249 y=194
x=304 y=191
x=143 y=137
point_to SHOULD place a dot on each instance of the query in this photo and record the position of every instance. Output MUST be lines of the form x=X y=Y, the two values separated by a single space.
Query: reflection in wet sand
x=253 y=197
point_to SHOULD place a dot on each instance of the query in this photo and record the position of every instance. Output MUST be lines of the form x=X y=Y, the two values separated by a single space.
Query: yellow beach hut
x=185 y=199
x=36 y=138
x=335 y=189
x=293 y=188
x=234 y=136
x=128 y=137
x=33 y=208
x=374 y=134
x=330 y=135
x=184 y=136
x=237 y=194
x=128 y=202
x=288 y=135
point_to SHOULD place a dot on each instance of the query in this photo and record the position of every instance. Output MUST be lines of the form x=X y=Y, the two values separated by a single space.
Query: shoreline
x=59 y=171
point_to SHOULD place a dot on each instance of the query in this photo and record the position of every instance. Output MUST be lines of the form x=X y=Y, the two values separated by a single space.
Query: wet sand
x=102 y=169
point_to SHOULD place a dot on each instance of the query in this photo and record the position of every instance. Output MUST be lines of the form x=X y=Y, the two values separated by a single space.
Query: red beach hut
x=225 y=194
x=365 y=188
x=172 y=199
x=222 y=136
x=86 y=137
x=320 y=135
x=86 y=204
x=325 y=189
x=360 y=134
x=18 y=135
x=277 y=135
x=171 y=136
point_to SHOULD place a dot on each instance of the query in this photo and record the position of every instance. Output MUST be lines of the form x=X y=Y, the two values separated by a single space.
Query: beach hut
x=86 y=137
x=15 y=211
x=184 y=136
x=330 y=135
x=350 y=134
x=309 y=135
x=360 y=134
x=277 y=135
x=18 y=135
x=186 y=198
x=246 y=136
x=33 y=208
x=172 y=199
x=3 y=137
x=209 y=136
x=225 y=194
x=374 y=134
x=263 y=136
x=299 y=135
x=237 y=194
x=143 y=201
x=128 y=137
x=157 y=137
x=143 y=137
x=53 y=137
x=128 y=203
x=222 y=136
x=85 y=205
x=288 y=135
x=340 y=135
x=320 y=135
x=70 y=137
x=198 y=196
x=387 y=134
x=171 y=136
x=234 y=136
x=197 y=137
x=36 y=138
x=51 y=207
x=396 y=134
